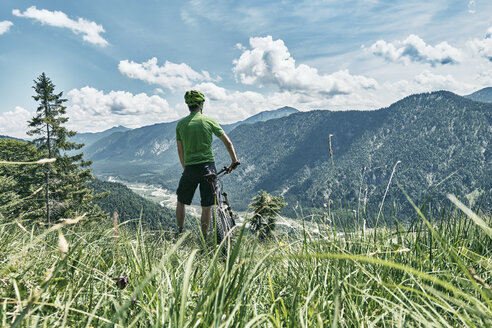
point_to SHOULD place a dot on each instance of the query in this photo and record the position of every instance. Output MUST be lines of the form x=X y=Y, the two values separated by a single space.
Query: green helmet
x=194 y=97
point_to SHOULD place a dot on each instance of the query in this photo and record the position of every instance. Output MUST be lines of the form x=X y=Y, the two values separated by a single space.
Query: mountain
x=262 y=117
x=442 y=141
x=90 y=137
x=483 y=95
x=9 y=137
x=139 y=152
x=150 y=149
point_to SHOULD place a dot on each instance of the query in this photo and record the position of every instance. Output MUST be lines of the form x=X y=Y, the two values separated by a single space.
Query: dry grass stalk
x=115 y=221
x=403 y=250
x=478 y=278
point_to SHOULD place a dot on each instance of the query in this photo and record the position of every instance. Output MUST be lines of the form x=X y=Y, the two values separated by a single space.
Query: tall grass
x=421 y=275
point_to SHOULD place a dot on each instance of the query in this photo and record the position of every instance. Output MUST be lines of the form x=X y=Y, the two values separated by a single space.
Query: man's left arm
x=180 y=152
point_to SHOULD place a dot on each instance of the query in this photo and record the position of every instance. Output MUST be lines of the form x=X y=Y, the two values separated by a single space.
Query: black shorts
x=194 y=175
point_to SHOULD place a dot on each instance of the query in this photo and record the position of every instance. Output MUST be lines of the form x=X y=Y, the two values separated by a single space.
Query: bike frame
x=221 y=204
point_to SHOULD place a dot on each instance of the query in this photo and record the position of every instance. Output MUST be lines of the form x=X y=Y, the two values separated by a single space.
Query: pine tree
x=20 y=193
x=266 y=209
x=66 y=180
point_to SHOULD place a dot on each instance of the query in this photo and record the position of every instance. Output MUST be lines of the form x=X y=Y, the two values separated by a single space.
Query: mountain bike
x=224 y=221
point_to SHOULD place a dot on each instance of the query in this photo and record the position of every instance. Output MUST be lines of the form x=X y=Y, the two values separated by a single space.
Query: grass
x=421 y=275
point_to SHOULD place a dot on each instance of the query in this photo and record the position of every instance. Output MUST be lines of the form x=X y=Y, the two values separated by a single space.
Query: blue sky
x=130 y=62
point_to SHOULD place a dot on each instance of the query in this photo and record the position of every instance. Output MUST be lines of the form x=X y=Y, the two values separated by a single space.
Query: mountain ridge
x=262 y=117
x=440 y=140
x=88 y=138
x=153 y=145
x=482 y=95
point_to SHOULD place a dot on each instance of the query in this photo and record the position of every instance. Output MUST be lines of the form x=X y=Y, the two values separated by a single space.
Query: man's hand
x=232 y=167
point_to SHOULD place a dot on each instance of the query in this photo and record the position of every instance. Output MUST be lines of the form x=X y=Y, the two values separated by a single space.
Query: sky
x=121 y=62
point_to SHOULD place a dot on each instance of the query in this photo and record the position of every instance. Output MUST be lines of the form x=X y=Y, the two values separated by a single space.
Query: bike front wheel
x=224 y=227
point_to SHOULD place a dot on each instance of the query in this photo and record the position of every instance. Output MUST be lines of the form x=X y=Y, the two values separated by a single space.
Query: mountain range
x=89 y=138
x=8 y=137
x=150 y=149
x=426 y=144
x=439 y=143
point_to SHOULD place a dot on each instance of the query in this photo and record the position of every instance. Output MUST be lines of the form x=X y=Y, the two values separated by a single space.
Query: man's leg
x=180 y=216
x=206 y=215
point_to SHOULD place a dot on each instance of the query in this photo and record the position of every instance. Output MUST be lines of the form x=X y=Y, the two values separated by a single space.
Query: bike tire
x=225 y=226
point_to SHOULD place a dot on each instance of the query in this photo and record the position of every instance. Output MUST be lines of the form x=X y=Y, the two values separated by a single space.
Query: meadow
x=435 y=271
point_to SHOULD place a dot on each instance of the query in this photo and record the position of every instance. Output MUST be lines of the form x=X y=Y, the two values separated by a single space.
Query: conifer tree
x=266 y=209
x=66 y=180
x=20 y=192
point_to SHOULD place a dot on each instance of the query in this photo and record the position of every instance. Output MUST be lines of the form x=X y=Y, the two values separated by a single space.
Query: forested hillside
x=131 y=206
x=442 y=141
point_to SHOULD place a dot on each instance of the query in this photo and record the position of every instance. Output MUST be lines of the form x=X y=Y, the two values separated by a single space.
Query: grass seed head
x=62 y=242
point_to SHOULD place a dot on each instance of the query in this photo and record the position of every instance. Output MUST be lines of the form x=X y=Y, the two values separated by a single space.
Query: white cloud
x=483 y=47
x=90 y=30
x=14 y=123
x=229 y=106
x=414 y=49
x=485 y=78
x=171 y=76
x=431 y=82
x=426 y=81
x=471 y=7
x=5 y=26
x=93 y=110
x=270 y=63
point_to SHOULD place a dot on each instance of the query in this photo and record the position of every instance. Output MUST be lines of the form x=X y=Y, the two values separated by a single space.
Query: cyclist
x=194 y=141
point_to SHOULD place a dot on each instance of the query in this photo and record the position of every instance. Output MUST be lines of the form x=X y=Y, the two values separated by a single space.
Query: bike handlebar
x=229 y=169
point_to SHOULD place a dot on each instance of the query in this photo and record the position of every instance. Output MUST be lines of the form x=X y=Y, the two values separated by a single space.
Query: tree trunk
x=46 y=106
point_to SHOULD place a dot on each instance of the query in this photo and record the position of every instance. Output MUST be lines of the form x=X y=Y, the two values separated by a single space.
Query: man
x=194 y=141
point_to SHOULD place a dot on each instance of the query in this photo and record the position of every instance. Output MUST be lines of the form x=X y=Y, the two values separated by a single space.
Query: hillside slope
x=131 y=206
x=482 y=95
x=441 y=139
